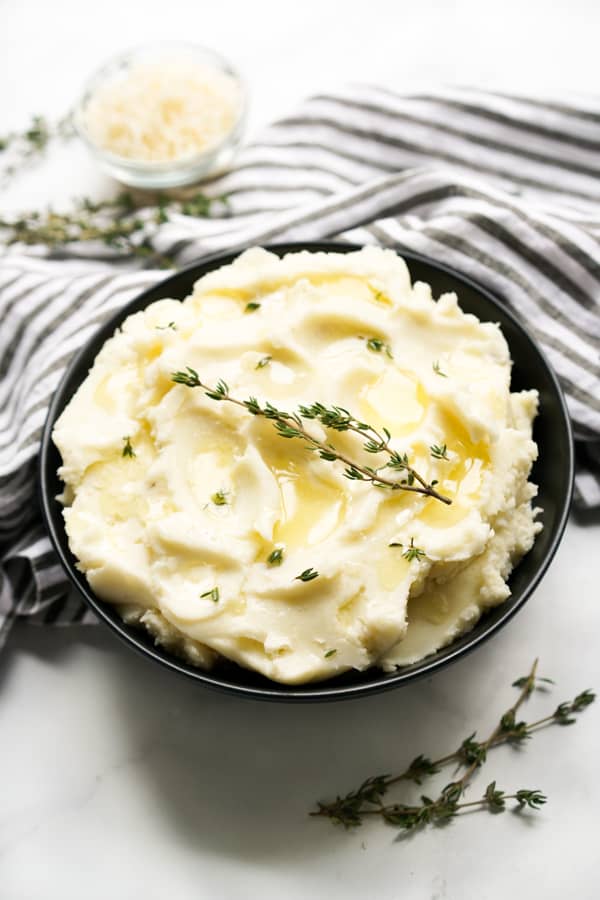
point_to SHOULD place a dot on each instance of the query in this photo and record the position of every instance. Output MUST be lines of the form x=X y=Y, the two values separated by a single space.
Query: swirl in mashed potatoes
x=209 y=491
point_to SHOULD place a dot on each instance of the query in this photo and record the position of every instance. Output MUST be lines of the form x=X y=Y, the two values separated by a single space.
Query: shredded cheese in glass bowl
x=163 y=115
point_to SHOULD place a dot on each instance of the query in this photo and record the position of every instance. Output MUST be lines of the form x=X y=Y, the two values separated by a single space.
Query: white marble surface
x=119 y=780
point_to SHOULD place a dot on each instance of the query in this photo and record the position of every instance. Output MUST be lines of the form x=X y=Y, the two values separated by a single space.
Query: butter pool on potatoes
x=149 y=536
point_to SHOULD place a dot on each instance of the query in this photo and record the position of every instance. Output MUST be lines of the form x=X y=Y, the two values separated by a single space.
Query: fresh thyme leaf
x=420 y=768
x=275 y=558
x=495 y=798
x=127 y=448
x=263 y=362
x=507 y=722
x=437 y=370
x=439 y=451
x=532 y=799
x=398 y=461
x=253 y=406
x=220 y=392
x=368 y=799
x=539 y=682
x=330 y=653
x=472 y=751
x=376 y=345
x=198 y=206
x=307 y=575
x=252 y=306
x=161 y=215
x=171 y=325
x=348 y=810
x=411 y=551
x=213 y=594
x=189 y=378
x=582 y=700
x=562 y=714
x=219 y=498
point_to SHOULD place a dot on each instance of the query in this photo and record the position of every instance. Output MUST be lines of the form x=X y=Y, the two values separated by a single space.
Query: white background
x=121 y=781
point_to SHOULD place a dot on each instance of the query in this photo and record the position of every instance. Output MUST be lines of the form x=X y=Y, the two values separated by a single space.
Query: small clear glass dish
x=182 y=170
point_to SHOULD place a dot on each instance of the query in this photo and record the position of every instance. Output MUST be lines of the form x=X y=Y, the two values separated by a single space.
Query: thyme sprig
x=120 y=224
x=368 y=799
x=411 y=551
x=24 y=147
x=291 y=425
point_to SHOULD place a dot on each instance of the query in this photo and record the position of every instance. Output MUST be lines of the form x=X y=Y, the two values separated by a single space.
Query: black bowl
x=553 y=472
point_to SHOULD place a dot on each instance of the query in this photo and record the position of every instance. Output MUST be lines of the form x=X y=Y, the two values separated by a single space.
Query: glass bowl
x=171 y=173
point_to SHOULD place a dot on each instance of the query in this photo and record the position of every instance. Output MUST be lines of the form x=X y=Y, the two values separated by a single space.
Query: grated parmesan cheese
x=162 y=111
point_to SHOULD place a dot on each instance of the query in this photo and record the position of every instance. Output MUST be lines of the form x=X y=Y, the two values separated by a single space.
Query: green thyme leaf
x=189 y=378
x=275 y=558
x=439 y=451
x=376 y=345
x=411 y=551
x=533 y=799
x=307 y=575
x=127 y=448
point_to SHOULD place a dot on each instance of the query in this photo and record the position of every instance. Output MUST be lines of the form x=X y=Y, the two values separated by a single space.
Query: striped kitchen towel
x=505 y=189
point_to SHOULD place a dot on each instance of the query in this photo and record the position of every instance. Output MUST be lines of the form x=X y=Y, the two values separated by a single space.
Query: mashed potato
x=197 y=518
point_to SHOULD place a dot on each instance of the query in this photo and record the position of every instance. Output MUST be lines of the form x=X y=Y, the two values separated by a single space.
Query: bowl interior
x=553 y=472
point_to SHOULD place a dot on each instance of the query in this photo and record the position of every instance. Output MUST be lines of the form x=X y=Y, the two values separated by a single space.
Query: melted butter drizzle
x=459 y=479
x=311 y=506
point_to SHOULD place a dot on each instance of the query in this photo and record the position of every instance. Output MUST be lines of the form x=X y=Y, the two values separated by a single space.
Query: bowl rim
x=322 y=690
x=158 y=167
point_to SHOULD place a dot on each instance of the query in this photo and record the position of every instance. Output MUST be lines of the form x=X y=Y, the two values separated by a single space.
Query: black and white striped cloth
x=505 y=189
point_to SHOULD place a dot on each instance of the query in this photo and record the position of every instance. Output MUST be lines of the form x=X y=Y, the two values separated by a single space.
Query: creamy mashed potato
x=175 y=503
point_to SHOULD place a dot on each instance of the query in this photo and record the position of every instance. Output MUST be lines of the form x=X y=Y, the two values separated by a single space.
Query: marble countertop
x=123 y=781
